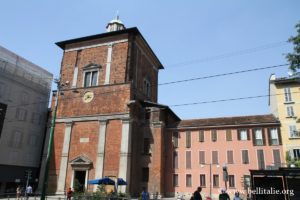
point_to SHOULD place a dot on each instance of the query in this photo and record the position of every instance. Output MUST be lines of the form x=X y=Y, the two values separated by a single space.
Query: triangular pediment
x=81 y=160
x=91 y=66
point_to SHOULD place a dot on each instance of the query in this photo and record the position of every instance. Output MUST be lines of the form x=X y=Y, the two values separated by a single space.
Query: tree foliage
x=294 y=57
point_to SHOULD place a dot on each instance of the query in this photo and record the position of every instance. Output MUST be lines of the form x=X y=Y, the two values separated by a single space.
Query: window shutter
x=245 y=156
x=201 y=136
x=276 y=157
x=215 y=157
x=175 y=160
x=230 y=157
x=239 y=134
x=263 y=136
x=214 y=135
x=248 y=134
x=253 y=137
x=279 y=136
x=188 y=160
x=188 y=139
x=202 y=157
x=228 y=135
x=269 y=137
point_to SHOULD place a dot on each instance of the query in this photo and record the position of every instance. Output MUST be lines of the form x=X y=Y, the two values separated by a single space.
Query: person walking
x=28 y=191
x=197 y=195
x=237 y=196
x=145 y=194
x=224 y=195
x=18 y=192
x=69 y=194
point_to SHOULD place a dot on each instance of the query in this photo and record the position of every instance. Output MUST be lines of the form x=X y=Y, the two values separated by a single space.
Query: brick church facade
x=109 y=122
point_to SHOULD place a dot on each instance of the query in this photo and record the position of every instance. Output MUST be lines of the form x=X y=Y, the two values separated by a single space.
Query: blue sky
x=191 y=38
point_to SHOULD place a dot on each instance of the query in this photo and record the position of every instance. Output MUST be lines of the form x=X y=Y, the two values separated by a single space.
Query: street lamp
x=225 y=175
x=50 y=143
x=210 y=181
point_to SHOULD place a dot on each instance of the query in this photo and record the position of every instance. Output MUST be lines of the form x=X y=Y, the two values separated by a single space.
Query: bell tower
x=103 y=78
x=115 y=25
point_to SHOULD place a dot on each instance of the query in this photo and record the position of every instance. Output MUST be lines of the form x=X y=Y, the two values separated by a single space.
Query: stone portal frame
x=81 y=163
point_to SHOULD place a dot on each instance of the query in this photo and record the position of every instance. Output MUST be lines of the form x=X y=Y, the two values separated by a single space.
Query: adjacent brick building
x=202 y=147
x=110 y=124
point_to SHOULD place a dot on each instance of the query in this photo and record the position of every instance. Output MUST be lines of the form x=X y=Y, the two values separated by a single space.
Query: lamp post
x=50 y=143
x=210 y=175
x=225 y=175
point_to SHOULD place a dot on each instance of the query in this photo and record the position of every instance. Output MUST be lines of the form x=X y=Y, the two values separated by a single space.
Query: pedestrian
x=145 y=194
x=197 y=195
x=224 y=195
x=69 y=194
x=28 y=191
x=237 y=196
x=18 y=192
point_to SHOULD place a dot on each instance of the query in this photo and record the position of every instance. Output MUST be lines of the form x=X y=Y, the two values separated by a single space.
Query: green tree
x=294 y=57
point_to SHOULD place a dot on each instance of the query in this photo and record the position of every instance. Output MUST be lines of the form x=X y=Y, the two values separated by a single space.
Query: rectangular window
x=175 y=160
x=230 y=157
x=188 y=180
x=258 y=134
x=215 y=180
x=290 y=111
x=201 y=136
x=146 y=146
x=287 y=95
x=247 y=182
x=202 y=180
x=175 y=139
x=202 y=157
x=32 y=140
x=228 y=135
x=296 y=154
x=243 y=134
x=276 y=157
x=273 y=136
x=24 y=98
x=145 y=174
x=245 y=157
x=36 y=118
x=214 y=135
x=188 y=139
x=215 y=159
x=188 y=159
x=231 y=181
x=3 y=108
x=175 y=180
x=260 y=159
x=21 y=114
x=293 y=131
x=2 y=89
x=90 y=78
x=16 y=139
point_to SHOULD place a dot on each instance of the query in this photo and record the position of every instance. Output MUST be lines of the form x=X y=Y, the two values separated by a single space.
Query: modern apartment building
x=285 y=105
x=24 y=96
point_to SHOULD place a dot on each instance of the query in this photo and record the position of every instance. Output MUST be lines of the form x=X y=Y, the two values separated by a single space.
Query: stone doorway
x=80 y=166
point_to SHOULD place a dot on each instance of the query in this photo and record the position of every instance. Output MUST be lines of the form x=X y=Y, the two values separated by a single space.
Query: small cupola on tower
x=115 y=25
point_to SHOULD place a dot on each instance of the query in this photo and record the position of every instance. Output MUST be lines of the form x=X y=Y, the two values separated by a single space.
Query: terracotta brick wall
x=56 y=156
x=88 y=130
x=107 y=99
x=112 y=148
